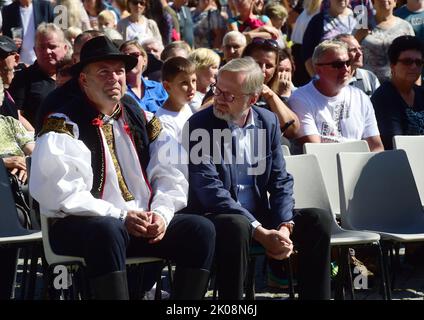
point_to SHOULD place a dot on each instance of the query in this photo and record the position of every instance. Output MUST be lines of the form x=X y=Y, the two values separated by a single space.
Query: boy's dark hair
x=404 y=43
x=173 y=66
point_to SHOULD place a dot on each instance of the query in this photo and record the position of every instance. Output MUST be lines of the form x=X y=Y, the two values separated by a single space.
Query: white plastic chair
x=286 y=150
x=378 y=194
x=326 y=154
x=414 y=147
x=310 y=192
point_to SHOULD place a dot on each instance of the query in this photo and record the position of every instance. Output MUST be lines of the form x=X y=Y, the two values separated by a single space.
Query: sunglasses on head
x=266 y=42
x=410 y=62
x=336 y=64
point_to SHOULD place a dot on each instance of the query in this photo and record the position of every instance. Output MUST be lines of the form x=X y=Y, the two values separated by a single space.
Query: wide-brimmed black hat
x=101 y=48
x=7 y=46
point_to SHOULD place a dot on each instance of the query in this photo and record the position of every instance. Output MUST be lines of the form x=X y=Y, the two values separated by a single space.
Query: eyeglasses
x=134 y=54
x=227 y=96
x=266 y=42
x=136 y=2
x=409 y=62
x=336 y=64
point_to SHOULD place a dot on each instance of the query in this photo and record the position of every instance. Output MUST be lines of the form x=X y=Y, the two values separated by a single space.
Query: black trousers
x=104 y=242
x=311 y=238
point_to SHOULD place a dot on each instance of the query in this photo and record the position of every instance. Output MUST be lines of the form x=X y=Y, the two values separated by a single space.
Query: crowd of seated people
x=145 y=70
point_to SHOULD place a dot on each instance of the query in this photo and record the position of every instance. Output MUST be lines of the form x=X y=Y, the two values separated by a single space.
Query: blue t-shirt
x=416 y=19
x=154 y=95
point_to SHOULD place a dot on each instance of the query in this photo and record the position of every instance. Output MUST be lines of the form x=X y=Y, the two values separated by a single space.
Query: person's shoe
x=150 y=295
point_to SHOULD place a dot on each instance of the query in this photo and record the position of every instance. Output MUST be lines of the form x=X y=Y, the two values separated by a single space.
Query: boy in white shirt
x=179 y=80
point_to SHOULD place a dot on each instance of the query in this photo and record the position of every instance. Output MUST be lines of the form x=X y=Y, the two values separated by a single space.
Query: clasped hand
x=145 y=224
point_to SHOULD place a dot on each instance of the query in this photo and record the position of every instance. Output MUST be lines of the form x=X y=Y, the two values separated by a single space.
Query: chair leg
x=25 y=255
x=385 y=285
x=339 y=293
x=289 y=268
x=158 y=292
x=33 y=272
x=349 y=278
x=386 y=247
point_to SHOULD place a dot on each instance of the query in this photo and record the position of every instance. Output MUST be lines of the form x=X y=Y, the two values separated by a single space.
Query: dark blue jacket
x=213 y=187
x=43 y=12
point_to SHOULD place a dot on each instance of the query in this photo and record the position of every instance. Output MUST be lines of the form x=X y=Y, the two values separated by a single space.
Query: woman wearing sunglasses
x=399 y=103
x=265 y=53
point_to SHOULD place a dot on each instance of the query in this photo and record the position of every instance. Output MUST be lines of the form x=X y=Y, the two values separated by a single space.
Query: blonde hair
x=106 y=16
x=275 y=10
x=204 y=58
x=311 y=6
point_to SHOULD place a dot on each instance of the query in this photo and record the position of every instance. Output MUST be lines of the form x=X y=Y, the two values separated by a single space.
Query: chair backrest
x=414 y=148
x=326 y=154
x=309 y=188
x=286 y=150
x=51 y=257
x=9 y=221
x=378 y=192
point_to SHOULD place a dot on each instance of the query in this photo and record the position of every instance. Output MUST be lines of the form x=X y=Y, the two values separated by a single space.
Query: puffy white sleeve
x=62 y=177
x=168 y=172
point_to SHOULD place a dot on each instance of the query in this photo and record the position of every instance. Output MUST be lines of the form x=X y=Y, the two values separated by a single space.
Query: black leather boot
x=190 y=284
x=111 y=286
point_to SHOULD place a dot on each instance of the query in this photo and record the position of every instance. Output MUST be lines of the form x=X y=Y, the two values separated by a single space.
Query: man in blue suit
x=26 y=14
x=235 y=162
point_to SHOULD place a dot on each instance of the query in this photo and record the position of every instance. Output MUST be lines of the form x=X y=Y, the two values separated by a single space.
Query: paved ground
x=409 y=285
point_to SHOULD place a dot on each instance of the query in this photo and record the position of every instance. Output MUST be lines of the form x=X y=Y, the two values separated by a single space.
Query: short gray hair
x=237 y=35
x=327 y=45
x=47 y=28
x=254 y=75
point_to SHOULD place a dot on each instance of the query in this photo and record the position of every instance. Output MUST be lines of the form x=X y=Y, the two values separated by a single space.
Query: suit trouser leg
x=233 y=239
x=311 y=237
x=101 y=241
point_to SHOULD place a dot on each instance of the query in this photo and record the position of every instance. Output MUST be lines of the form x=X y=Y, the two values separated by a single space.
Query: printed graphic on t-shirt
x=332 y=131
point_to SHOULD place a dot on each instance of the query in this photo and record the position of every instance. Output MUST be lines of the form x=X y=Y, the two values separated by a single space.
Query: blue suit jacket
x=213 y=186
x=43 y=12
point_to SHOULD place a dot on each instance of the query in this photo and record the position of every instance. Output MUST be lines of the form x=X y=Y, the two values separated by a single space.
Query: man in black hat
x=96 y=173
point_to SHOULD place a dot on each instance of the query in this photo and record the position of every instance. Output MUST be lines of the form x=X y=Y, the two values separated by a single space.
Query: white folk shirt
x=62 y=177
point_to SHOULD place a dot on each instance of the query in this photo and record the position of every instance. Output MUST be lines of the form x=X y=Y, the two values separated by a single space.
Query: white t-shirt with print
x=347 y=116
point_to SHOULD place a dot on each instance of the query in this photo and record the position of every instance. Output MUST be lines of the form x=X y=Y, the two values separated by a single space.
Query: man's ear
x=82 y=79
x=254 y=98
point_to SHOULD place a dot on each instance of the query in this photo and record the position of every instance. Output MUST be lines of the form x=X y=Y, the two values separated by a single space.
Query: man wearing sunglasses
x=330 y=110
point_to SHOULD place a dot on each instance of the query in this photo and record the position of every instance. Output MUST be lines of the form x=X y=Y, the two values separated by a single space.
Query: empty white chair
x=378 y=194
x=326 y=154
x=310 y=192
x=414 y=147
